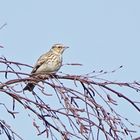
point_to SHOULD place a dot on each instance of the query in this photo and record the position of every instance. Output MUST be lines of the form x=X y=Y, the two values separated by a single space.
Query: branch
x=86 y=102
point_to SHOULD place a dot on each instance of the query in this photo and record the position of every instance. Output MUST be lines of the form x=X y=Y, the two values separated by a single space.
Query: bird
x=48 y=63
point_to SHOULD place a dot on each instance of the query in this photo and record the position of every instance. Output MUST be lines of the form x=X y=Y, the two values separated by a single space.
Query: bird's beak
x=66 y=47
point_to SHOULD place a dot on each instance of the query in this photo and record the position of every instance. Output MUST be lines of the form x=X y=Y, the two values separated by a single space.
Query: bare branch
x=86 y=104
x=3 y=26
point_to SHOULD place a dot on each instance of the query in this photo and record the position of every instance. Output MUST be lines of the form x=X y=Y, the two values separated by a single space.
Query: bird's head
x=58 y=48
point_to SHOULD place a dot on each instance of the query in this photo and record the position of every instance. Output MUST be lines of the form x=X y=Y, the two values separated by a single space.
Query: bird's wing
x=39 y=62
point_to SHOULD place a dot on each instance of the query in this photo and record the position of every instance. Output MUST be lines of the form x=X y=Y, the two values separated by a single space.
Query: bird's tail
x=29 y=86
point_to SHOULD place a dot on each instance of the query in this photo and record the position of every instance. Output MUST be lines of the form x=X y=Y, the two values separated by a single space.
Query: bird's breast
x=51 y=65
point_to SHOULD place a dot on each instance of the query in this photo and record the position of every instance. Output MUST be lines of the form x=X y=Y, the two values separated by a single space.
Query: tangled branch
x=83 y=107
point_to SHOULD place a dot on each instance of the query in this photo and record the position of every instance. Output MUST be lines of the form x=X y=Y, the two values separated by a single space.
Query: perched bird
x=48 y=63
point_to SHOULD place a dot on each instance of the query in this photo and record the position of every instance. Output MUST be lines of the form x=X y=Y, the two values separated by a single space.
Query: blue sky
x=101 y=34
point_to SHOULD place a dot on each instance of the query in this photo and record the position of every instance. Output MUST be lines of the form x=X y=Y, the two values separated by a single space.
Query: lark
x=48 y=63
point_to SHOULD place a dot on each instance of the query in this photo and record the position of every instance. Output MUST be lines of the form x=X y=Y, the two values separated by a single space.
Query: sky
x=101 y=34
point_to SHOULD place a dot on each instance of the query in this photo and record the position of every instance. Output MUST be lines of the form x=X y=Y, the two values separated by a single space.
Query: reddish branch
x=87 y=103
